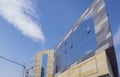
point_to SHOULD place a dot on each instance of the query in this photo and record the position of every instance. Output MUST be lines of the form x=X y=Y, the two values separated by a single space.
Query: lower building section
x=96 y=66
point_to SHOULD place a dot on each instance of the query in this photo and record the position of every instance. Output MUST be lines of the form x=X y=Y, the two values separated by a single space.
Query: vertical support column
x=38 y=65
x=102 y=28
x=103 y=33
x=50 y=65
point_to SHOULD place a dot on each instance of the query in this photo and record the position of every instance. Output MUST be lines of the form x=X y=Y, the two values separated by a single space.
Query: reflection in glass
x=79 y=43
x=44 y=65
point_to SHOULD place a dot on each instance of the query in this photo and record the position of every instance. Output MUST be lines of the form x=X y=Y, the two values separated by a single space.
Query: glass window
x=81 y=42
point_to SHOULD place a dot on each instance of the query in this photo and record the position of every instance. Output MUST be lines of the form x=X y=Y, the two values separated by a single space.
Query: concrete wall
x=50 y=63
x=96 y=66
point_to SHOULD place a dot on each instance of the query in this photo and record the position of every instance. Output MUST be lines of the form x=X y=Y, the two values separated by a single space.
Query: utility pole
x=15 y=63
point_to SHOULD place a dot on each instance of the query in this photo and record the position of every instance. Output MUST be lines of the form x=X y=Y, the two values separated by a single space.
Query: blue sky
x=29 y=26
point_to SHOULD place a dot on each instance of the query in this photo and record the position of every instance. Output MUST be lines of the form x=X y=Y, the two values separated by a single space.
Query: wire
x=12 y=61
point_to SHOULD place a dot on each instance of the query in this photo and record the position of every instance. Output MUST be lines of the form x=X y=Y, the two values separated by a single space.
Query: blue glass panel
x=80 y=43
x=44 y=65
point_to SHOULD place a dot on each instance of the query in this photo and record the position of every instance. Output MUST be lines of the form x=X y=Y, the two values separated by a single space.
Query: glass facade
x=42 y=72
x=90 y=35
x=80 y=42
x=44 y=65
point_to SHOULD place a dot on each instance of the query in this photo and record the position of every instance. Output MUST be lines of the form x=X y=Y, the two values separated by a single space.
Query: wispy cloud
x=117 y=37
x=21 y=14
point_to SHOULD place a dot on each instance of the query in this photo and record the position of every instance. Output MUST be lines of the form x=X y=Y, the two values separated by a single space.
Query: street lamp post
x=15 y=63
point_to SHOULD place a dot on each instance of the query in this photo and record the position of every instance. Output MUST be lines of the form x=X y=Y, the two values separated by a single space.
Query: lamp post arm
x=15 y=63
x=12 y=61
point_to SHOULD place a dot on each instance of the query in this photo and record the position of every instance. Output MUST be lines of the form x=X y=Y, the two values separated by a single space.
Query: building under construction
x=86 y=51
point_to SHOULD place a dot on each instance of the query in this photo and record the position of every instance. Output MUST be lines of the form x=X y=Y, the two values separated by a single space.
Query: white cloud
x=19 y=13
x=117 y=37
